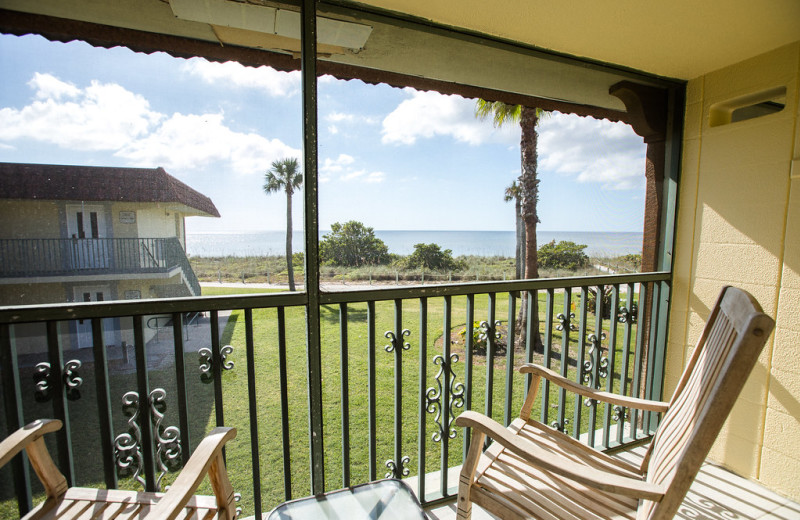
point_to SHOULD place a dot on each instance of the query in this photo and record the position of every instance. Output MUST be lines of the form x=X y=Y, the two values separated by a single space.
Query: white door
x=93 y=293
x=86 y=226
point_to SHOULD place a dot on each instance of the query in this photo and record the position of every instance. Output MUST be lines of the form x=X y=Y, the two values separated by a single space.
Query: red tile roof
x=98 y=183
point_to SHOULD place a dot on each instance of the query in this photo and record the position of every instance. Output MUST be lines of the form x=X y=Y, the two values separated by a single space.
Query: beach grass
x=272 y=270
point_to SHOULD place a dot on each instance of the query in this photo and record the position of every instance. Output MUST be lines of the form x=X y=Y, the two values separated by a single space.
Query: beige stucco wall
x=156 y=221
x=32 y=293
x=25 y=219
x=43 y=219
x=122 y=228
x=739 y=224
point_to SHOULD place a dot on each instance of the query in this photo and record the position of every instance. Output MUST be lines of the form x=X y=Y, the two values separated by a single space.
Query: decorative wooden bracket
x=646 y=107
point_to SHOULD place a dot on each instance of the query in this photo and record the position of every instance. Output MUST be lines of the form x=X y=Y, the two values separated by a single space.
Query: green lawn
x=234 y=382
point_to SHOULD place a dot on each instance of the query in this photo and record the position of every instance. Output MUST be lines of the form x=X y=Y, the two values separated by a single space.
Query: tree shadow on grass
x=330 y=314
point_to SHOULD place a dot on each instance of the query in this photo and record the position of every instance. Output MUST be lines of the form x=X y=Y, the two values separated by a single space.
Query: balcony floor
x=715 y=494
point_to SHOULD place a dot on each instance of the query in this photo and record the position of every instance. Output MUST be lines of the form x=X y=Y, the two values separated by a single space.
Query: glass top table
x=388 y=499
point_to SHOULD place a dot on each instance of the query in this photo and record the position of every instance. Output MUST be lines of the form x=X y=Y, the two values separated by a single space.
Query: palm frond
x=284 y=175
x=501 y=112
x=512 y=192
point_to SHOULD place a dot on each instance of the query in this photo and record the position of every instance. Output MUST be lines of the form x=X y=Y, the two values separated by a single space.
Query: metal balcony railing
x=57 y=257
x=398 y=364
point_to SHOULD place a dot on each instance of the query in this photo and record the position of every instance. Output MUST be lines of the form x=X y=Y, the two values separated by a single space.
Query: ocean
x=477 y=243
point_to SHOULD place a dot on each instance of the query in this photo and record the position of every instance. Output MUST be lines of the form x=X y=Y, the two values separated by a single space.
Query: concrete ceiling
x=680 y=39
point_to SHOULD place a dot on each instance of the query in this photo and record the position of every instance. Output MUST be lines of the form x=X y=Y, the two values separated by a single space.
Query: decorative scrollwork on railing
x=433 y=397
x=395 y=342
x=566 y=321
x=72 y=380
x=562 y=427
x=628 y=316
x=620 y=413
x=396 y=471
x=489 y=331
x=226 y=351
x=41 y=376
x=591 y=373
x=207 y=361
x=167 y=439
x=128 y=446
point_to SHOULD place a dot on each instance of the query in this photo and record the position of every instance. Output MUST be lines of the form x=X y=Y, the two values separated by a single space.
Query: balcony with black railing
x=59 y=258
x=397 y=366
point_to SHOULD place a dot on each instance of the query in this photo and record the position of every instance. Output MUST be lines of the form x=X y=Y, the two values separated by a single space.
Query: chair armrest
x=21 y=438
x=606 y=397
x=207 y=458
x=544 y=459
x=29 y=438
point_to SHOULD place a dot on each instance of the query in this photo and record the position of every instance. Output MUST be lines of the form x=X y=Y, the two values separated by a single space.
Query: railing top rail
x=108 y=309
x=112 y=309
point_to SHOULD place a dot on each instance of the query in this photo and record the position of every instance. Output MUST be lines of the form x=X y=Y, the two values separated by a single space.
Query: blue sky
x=391 y=158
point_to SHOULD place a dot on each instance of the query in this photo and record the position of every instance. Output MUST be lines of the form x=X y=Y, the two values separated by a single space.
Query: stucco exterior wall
x=739 y=224
x=23 y=219
x=121 y=222
x=156 y=221
x=32 y=293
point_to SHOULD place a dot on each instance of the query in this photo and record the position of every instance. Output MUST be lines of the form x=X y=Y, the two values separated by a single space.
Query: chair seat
x=89 y=503
x=179 y=502
x=526 y=491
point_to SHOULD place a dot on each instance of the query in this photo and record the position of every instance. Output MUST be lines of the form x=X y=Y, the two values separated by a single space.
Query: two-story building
x=88 y=233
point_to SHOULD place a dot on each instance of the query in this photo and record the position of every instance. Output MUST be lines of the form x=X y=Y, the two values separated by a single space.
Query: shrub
x=431 y=256
x=480 y=342
x=564 y=255
x=634 y=260
x=352 y=244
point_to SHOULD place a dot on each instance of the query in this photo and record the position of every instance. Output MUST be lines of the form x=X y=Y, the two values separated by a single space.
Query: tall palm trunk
x=289 y=266
x=520 y=252
x=529 y=197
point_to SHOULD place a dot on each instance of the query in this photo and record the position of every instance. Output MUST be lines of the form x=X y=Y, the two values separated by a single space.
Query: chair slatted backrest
x=725 y=355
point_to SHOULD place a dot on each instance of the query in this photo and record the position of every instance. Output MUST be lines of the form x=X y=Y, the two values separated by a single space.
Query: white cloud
x=274 y=82
x=103 y=116
x=375 y=177
x=429 y=114
x=336 y=165
x=592 y=150
x=107 y=117
x=340 y=121
x=342 y=169
x=364 y=176
x=48 y=86
x=191 y=141
x=336 y=117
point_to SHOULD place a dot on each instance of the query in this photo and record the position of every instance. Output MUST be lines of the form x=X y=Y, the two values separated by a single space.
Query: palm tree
x=512 y=193
x=285 y=175
x=528 y=183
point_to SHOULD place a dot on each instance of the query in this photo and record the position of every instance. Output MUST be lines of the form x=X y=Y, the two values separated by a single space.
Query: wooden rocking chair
x=534 y=471
x=89 y=503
